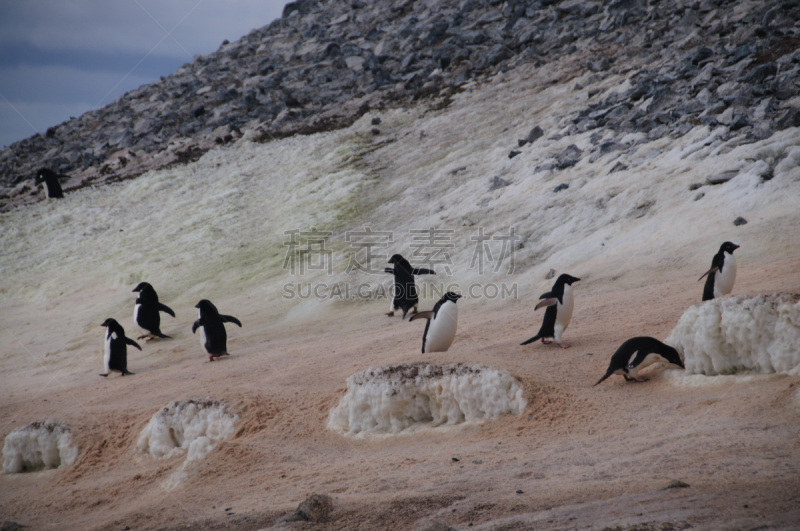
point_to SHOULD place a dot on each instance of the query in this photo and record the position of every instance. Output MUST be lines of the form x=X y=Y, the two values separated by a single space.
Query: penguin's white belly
x=107 y=353
x=723 y=280
x=564 y=311
x=202 y=330
x=646 y=362
x=136 y=317
x=442 y=329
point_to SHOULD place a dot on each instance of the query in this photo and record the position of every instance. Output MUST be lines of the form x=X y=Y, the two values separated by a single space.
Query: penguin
x=51 y=185
x=116 y=348
x=213 y=336
x=637 y=353
x=405 y=291
x=440 y=330
x=146 y=312
x=559 y=302
x=722 y=274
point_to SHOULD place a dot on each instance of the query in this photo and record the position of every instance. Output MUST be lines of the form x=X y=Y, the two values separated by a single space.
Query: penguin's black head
x=143 y=286
x=206 y=306
x=567 y=279
x=43 y=174
x=728 y=247
x=396 y=258
x=450 y=296
x=111 y=324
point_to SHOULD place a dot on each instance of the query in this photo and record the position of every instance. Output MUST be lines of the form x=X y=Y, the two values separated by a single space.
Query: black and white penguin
x=213 y=336
x=440 y=330
x=559 y=302
x=50 y=179
x=637 y=353
x=116 y=348
x=722 y=274
x=405 y=295
x=146 y=312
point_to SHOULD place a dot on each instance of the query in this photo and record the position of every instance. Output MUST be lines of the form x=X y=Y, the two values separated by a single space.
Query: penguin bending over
x=213 y=336
x=116 y=348
x=146 y=312
x=722 y=273
x=559 y=302
x=440 y=330
x=405 y=291
x=51 y=184
x=637 y=353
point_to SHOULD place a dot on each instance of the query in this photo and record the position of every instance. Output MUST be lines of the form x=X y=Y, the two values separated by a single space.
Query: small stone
x=456 y=459
x=550 y=274
x=375 y=131
x=513 y=154
x=376 y=121
x=676 y=484
x=740 y=221
x=519 y=491
x=498 y=182
x=316 y=508
x=562 y=186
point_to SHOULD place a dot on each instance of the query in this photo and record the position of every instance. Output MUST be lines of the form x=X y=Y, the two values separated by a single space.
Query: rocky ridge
x=324 y=64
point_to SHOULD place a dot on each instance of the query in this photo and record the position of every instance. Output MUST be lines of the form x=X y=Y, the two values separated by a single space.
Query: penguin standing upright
x=146 y=312
x=405 y=291
x=440 y=330
x=559 y=302
x=51 y=184
x=637 y=353
x=116 y=348
x=213 y=336
x=722 y=274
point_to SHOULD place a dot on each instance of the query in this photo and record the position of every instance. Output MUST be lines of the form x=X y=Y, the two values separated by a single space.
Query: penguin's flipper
x=197 y=324
x=531 y=340
x=421 y=315
x=132 y=343
x=609 y=372
x=230 y=319
x=712 y=270
x=423 y=271
x=389 y=270
x=546 y=302
x=166 y=309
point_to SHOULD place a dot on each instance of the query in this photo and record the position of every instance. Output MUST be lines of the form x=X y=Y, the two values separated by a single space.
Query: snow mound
x=38 y=446
x=194 y=426
x=735 y=334
x=388 y=400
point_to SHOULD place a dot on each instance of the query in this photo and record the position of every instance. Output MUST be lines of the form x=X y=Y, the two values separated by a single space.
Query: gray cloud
x=60 y=59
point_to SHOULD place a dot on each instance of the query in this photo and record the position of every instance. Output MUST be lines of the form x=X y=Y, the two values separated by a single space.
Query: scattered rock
x=316 y=508
x=498 y=182
x=8 y=525
x=513 y=154
x=739 y=221
x=550 y=274
x=722 y=178
x=677 y=484
x=534 y=135
x=562 y=186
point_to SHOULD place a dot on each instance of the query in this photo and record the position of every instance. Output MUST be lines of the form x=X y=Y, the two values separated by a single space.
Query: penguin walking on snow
x=405 y=291
x=559 y=302
x=722 y=274
x=116 y=348
x=637 y=353
x=50 y=179
x=213 y=336
x=440 y=330
x=146 y=312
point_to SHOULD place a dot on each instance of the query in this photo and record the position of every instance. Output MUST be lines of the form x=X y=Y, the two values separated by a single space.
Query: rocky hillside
x=325 y=63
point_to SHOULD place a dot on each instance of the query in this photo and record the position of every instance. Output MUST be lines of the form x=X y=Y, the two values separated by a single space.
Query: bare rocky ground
x=579 y=457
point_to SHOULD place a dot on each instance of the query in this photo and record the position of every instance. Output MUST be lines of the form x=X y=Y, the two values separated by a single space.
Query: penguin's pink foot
x=564 y=345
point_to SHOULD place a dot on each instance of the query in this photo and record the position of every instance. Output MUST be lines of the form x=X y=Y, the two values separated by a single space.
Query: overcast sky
x=61 y=58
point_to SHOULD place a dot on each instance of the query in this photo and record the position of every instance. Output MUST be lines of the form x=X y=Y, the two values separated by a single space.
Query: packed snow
x=38 y=446
x=192 y=426
x=734 y=334
x=391 y=400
